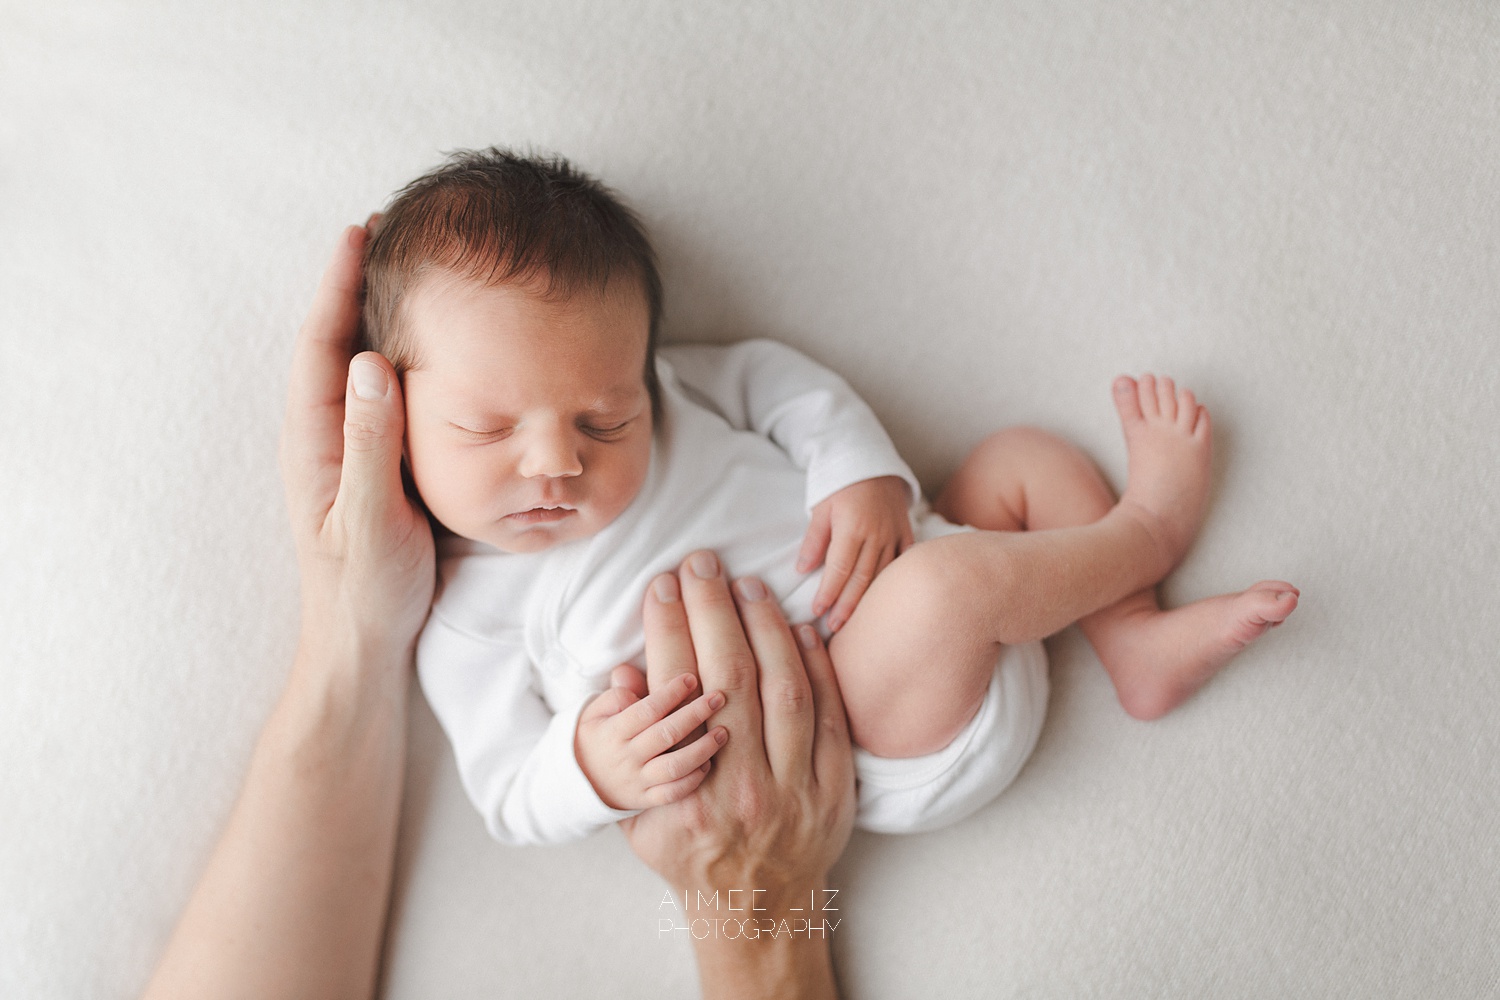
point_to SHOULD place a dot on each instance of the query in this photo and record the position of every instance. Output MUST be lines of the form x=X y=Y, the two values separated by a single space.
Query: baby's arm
x=859 y=491
x=515 y=757
x=624 y=744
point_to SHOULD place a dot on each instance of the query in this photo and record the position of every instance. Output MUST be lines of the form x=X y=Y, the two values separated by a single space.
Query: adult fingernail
x=751 y=589
x=705 y=565
x=807 y=636
x=665 y=589
x=369 y=381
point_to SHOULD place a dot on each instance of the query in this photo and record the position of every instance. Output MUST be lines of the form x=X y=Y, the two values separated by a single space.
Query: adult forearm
x=294 y=899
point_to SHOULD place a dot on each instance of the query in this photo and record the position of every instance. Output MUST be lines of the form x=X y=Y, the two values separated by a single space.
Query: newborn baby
x=572 y=462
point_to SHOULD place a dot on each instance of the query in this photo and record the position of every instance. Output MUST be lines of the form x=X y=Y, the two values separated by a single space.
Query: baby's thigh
x=915 y=660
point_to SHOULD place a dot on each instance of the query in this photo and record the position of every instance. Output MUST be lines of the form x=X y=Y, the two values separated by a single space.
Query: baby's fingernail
x=716 y=701
x=665 y=589
x=721 y=735
x=808 y=636
x=688 y=681
x=369 y=381
x=705 y=565
x=751 y=589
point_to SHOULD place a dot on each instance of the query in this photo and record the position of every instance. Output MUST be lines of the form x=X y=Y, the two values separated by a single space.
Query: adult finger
x=370 y=488
x=669 y=642
x=312 y=438
x=832 y=753
x=725 y=662
x=786 y=699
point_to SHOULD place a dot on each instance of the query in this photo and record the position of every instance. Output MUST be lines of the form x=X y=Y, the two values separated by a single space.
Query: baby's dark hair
x=494 y=216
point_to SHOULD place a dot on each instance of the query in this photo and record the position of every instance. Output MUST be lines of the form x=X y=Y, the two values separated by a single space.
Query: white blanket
x=978 y=212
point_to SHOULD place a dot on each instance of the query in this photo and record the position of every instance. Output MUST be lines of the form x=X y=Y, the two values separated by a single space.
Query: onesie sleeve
x=515 y=757
x=808 y=411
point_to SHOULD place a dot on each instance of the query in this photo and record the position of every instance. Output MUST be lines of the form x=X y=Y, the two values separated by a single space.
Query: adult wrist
x=786 y=966
x=761 y=940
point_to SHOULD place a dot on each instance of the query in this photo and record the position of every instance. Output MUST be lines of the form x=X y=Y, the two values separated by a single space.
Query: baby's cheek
x=627 y=479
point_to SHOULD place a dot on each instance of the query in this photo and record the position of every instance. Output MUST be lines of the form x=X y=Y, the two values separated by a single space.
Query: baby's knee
x=1022 y=443
x=943 y=579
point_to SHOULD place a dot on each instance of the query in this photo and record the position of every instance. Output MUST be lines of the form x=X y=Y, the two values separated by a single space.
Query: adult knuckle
x=737 y=669
x=362 y=430
x=790 y=697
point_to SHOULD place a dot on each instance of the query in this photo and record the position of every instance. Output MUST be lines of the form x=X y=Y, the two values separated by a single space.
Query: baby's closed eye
x=608 y=432
x=482 y=432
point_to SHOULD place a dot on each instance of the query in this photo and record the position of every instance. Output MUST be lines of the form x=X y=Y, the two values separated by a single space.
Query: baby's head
x=519 y=301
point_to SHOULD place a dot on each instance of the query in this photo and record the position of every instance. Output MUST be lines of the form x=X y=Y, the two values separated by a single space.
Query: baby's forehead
x=466 y=333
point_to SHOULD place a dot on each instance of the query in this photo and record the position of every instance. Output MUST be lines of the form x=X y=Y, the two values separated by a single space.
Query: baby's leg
x=915 y=659
x=1023 y=480
x=1057 y=549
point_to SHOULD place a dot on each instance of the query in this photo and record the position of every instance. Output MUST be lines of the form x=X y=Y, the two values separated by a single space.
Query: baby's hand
x=860 y=529
x=624 y=744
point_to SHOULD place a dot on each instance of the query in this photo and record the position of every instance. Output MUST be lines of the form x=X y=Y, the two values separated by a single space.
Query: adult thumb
x=374 y=421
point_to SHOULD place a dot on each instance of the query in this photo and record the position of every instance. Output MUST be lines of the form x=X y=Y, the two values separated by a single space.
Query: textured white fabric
x=978 y=212
x=752 y=436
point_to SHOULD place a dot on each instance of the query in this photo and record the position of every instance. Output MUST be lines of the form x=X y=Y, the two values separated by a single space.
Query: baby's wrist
x=601 y=780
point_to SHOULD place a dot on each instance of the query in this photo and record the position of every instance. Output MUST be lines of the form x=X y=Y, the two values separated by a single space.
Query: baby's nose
x=552 y=455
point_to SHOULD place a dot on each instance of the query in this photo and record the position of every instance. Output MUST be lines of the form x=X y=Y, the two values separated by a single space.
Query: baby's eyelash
x=497 y=432
x=606 y=433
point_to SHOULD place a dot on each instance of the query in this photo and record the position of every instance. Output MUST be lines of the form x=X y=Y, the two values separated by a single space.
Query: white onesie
x=751 y=437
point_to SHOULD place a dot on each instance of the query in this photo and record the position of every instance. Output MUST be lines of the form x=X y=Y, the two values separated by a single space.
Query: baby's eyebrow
x=613 y=401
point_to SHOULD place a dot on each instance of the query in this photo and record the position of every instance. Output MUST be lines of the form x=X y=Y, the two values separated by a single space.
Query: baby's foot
x=1158 y=659
x=1170 y=446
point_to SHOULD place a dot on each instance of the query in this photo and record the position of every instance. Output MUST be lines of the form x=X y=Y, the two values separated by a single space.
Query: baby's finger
x=871 y=559
x=815 y=542
x=908 y=539
x=675 y=791
x=679 y=764
x=609 y=702
x=843 y=557
x=630 y=678
x=675 y=728
x=655 y=706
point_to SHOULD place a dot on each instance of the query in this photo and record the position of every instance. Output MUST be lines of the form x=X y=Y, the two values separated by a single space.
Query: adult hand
x=294 y=898
x=777 y=807
x=365 y=549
